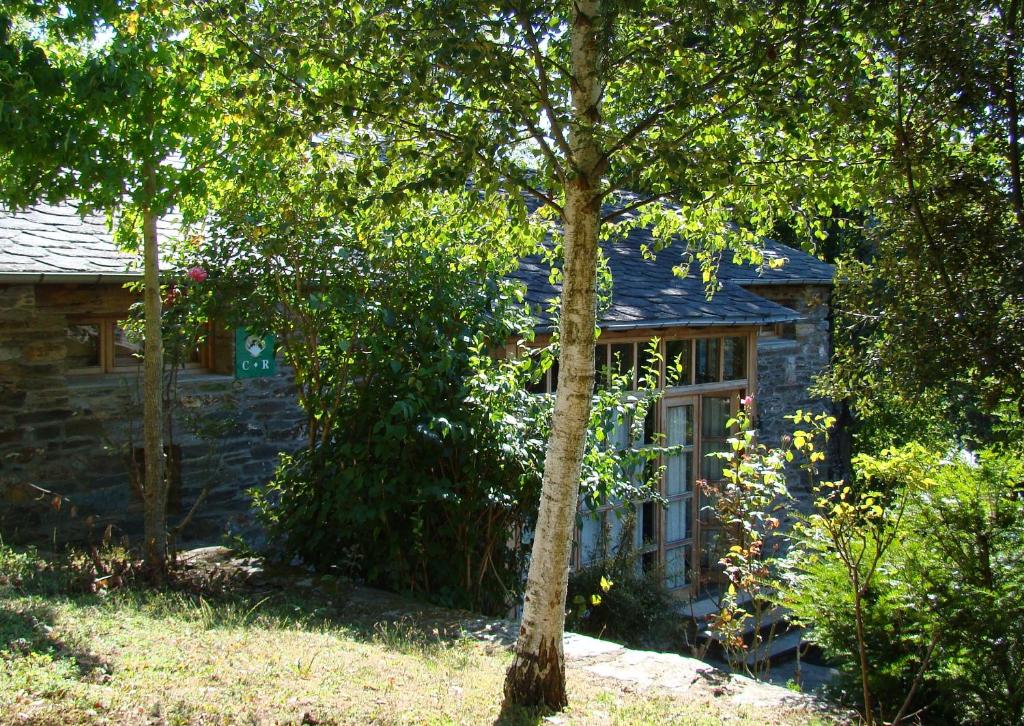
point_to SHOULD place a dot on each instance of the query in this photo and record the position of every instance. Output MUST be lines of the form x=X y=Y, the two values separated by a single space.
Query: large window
x=667 y=362
x=611 y=524
x=703 y=377
x=678 y=492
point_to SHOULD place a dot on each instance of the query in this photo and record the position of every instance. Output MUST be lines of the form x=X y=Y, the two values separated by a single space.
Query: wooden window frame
x=692 y=541
x=735 y=389
x=107 y=338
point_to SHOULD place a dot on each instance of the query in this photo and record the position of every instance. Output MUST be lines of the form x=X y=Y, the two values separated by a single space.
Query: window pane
x=638 y=528
x=646 y=528
x=734 y=358
x=707 y=360
x=601 y=365
x=623 y=361
x=590 y=538
x=127 y=350
x=618 y=437
x=677 y=362
x=676 y=524
x=677 y=567
x=707 y=503
x=715 y=411
x=679 y=426
x=82 y=346
x=679 y=474
x=650 y=424
x=647 y=365
x=711 y=467
x=709 y=553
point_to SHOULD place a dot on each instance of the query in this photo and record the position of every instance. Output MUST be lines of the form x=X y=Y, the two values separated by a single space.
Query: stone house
x=765 y=333
x=69 y=411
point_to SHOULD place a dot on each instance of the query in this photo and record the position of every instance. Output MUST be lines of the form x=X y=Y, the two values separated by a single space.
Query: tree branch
x=544 y=88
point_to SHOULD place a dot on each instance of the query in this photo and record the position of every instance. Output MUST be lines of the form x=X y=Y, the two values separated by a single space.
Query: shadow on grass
x=511 y=715
x=30 y=630
x=218 y=598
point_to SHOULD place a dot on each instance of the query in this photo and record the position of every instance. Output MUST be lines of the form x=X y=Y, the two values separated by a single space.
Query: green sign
x=254 y=355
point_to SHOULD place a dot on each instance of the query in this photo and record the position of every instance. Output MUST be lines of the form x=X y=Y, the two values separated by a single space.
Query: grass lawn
x=143 y=657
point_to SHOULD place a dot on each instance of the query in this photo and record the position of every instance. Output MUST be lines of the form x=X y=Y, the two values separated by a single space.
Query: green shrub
x=945 y=596
x=613 y=599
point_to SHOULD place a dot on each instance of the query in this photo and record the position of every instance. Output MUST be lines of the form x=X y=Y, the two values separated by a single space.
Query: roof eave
x=697 y=322
x=93 y=278
x=827 y=281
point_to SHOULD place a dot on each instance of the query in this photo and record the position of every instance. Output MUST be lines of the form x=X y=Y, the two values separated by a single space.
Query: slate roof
x=53 y=243
x=648 y=294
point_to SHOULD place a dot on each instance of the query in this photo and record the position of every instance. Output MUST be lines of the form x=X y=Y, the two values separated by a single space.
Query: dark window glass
x=734 y=358
x=601 y=365
x=647 y=364
x=677 y=362
x=540 y=386
x=647 y=522
x=82 y=346
x=127 y=350
x=623 y=362
x=707 y=360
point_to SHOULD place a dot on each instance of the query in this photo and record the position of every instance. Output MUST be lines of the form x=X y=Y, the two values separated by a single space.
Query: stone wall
x=788 y=362
x=74 y=434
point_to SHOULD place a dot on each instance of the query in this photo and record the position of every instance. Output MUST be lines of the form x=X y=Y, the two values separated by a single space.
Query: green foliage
x=749 y=505
x=713 y=107
x=929 y=312
x=614 y=599
x=413 y=454
x=98 y=92
x=939 y=549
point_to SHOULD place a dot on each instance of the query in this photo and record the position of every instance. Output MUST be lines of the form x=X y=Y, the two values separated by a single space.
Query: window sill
x=98 y=379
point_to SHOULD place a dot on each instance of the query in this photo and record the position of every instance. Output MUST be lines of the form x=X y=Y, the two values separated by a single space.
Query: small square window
x=127 y=349
x=82 y=347
x=707 y=360
x=734 y=358
x=677 y=362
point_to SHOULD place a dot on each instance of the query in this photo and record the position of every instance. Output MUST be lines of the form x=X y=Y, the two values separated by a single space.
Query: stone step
x=781 y=648
x=700 y=609
x=773 y=617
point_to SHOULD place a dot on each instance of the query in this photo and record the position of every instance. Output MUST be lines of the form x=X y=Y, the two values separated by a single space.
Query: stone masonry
x=73 y=435
x=788 y=363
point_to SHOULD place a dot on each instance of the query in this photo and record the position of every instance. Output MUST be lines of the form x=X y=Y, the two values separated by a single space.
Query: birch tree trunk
x=154 y=488
x=537 y=673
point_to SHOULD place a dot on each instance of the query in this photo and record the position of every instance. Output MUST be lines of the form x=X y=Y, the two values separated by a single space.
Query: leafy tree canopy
x=936 y=307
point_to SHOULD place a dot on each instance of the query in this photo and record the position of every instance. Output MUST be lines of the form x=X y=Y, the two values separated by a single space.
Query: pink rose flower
x=747 y=401
x=198 y=274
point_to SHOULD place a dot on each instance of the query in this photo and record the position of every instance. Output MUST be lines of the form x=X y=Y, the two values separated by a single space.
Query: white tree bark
x=537 y=673
x=154 y=488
